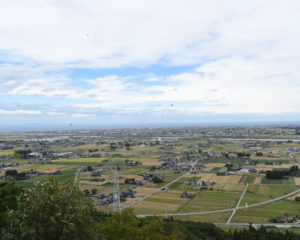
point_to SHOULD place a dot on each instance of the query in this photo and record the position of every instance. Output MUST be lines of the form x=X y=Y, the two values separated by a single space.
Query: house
x=187 y=195
x=132 y=163
x=96 y=173
x=192 y=182
x=286 y=219
x=223 y=173
x=58 y=172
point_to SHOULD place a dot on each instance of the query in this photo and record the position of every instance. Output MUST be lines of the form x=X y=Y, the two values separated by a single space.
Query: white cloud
x=118 y=33
x=19 y=112
x=82 y=115
x=247 y=53
x=56 y=113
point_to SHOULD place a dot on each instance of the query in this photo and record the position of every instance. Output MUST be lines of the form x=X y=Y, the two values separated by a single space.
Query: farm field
x=266 y=212
x=161 y=172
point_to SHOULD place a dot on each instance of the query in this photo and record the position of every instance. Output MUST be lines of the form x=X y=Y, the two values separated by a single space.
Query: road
x=160 y=189
x=255 y=225
x=238 y=204
x=260 y=139
x=293 y=158
x=227 y=209
x=223 y=210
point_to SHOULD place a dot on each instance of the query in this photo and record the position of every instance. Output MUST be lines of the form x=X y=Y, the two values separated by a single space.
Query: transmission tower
x=116 y=192
x=76 y=180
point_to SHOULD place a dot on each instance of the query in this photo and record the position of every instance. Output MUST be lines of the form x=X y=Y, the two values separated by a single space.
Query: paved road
x=238 y=204
x=161 y=188
x=228 y=209
x=260 y=139
x=224 y=210
x=293 y=158
x=278 y=225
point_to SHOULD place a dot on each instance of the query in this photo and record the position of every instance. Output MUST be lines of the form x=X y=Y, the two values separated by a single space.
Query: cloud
x=20 y=112
x=245 y=57
x=138 y=33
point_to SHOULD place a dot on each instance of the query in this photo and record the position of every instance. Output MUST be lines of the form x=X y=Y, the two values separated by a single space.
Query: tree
x=11 y=172
x=22 y=154
x=86 y=192
x=276 y=174
x=113 y=146
x=89 y=168
x=94 y=191
x=51 y=211
x=9 y=192
x=126 y=226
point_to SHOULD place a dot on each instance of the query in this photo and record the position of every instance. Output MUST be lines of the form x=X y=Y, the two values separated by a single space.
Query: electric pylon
x=116 y=192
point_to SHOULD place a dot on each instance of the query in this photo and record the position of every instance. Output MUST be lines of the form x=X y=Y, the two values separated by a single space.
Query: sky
x=114 y=62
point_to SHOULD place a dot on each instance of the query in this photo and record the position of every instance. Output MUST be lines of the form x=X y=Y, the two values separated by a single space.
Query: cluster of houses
x=187 y=195
x=176 y=164
x=171 y=166
x=133 y=181
x=108 y=199
x=96 y=173
x=8 y=165
x=149 y=177
x=200 y=183
x=251 y=145
x=272 y=163
x=128 y=162
x=286 y=219
x=250 y=162
x=4 y=146
x=52 y=155
x=6 y=177
x=97 y=180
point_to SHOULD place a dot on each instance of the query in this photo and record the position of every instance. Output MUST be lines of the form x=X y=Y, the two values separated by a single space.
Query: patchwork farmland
x=190 y=174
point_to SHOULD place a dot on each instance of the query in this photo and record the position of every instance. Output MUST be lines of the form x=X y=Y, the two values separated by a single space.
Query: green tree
x=51 y=211
x=89 y=168
x=9 y=192
x=126 y=226
x=11 y=172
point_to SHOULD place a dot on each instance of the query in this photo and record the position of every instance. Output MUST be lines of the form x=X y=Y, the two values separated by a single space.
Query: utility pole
x=116 y=192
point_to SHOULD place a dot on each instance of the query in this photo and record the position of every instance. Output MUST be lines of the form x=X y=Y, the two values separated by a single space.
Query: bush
x=297 y=198
x=11 y=172
x=51 y=211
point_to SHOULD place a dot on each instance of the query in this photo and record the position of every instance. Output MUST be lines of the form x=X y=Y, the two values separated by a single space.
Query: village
x=176 y=170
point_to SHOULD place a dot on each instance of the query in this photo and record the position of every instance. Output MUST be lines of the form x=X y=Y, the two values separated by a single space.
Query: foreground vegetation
x=50 y=210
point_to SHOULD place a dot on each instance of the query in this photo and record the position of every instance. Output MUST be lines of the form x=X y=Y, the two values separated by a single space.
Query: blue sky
x=98 y=63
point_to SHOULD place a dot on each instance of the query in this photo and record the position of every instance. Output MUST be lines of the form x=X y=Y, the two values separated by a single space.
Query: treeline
x=50 y=211
x=22 y=154
x=283 y=173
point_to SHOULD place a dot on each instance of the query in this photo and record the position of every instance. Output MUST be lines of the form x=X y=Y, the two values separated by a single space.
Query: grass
x=250 y=179
x=161 y=203
x=216 y=217
x=271 y=181
x=67 y=175
x=290 y=180
x=5 y=153
x=267 y=212
x=211 y=200
x=259 y=193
